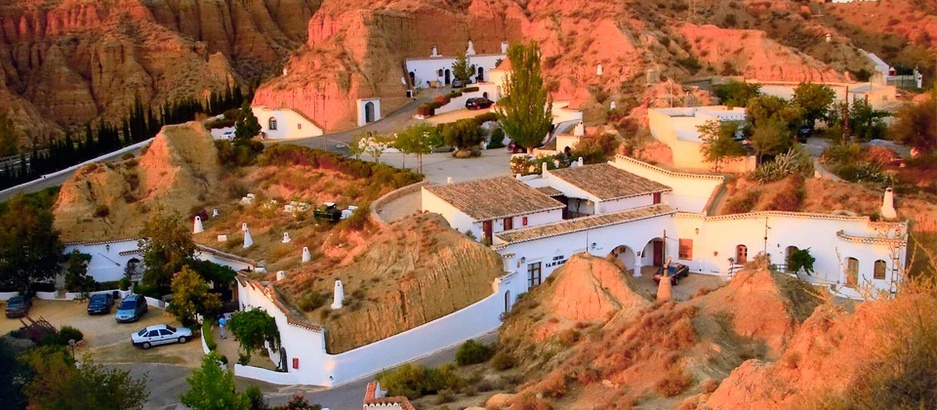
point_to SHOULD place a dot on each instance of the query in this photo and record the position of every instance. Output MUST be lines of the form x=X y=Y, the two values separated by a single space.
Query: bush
x=497 y=139
x=469 y=89
x=426 y=110
x=486 y=117
x=311 y=301
x=472 y=352
x=796 y=161
x=109 y=285
x=415 y=381
x=124 y=283
x=503 y=361
x=69 y=333
x=743 y=203
x=862 y=172
x=673 y=383
x=442 y=100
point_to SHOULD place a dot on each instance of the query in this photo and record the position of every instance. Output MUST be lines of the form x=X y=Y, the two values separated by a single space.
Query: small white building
x=678 y=127
x=285 y=123
x=369 y=110
x=436 y=70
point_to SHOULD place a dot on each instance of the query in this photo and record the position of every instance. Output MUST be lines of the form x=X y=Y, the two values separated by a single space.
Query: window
x=524 y=221
x=852 y=272
x=272 y=124
x=741 y=255
x=686 y=249
x=657 y=197
x=153 y=333
x=533 y=274
x=164 y=332
x=299 y=126
x=879 y=272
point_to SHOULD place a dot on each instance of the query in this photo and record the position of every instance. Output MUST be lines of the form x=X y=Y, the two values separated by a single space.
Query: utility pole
x=766 y=237
x=846 y=118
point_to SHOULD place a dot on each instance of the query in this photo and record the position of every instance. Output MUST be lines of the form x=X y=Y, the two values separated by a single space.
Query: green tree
x=211 y=388
x=773 y=122
x=76 y=273
x=916 y=126
x=865 y=122
x=57 y=383
x=596 y=149
x=30 y=249
x=719 y=142
x=255 y=328
x=461 y=68
x=167 y=246
x=770 y=138
x=8 y=139
x=374 y=146
x=463 y=134
x=525 y=112
x=190 y=296
x=358 y=144
x=801 y=259
x=814 y=101
x=737 y=93
x=246 y=126
x=419 y=139
x=12 y=377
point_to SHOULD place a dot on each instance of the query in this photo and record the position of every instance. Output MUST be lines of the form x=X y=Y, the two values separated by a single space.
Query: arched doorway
x=132 y=266
x=653 y=253
x=852 y=272
x=624 y=254
x=507 y=301
x=448 y=76
x=741 y=255
x=369 y=112
x=481 y=74
x=412 y=78
x=272 y=124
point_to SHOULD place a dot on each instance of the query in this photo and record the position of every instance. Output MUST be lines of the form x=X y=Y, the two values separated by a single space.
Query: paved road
x=167 y=382
x=42 y=184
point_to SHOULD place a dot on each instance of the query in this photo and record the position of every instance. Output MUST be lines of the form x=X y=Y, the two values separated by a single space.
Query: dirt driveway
x=107 y=340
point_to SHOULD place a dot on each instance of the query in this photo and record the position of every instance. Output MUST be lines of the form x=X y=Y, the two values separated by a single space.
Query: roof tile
x=503 y=197
x=608 y=182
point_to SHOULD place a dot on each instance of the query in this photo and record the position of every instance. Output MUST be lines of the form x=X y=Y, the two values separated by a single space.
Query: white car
x=160 y=335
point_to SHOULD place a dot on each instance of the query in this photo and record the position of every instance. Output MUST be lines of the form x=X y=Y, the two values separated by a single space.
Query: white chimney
x=307 y=256
x=198 y=228
x=248 y=241
x=435 y=53
x=829 y=37
x=339 y=295
x=888 y=205
x=448 y=180
x=543 y=168
x=580 y=162
x=286 y=237
x=504 y=47
x=612 y=105
x=471 y=49
x=598 y=70
x=281 y=275
x=214 y=213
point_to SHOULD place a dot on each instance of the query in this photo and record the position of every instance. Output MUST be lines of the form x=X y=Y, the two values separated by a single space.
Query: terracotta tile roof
x=494 y=198
x=371 y=399
x=581 y=224
x=550 y=191
x=607 y=182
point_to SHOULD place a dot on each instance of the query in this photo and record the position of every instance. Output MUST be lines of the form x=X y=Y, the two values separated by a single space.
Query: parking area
x=107 y=340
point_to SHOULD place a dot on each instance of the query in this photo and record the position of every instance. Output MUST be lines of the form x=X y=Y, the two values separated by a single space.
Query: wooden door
x=508 y=224
x=852 y=272
x=486 y=228
x=658 y=253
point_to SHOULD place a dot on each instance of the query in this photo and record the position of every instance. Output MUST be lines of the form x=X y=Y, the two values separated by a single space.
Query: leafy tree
x=773 y=122
x=374 y=146
x=246 y=126
x=12 y=377
x=254 y=328
x=57 y=383
x=525 y=112
x=219 y=275
x=865 y=122
x=472 y=352
x=167 y=247
x=358 y=144
x=211 y=388
x=814 y=101
x=190 y=296
x=463 y=134
x=76 y=273
x=719 y=142
x=419 y=139
x=8 y=140
x=916 y=126
x=30 y=249
x=737 y=93
x=771 y=138
x=596 y=149
x=801 y=259
x=461 y=68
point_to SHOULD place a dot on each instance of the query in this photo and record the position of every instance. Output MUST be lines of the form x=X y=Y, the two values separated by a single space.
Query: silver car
x=160 y=335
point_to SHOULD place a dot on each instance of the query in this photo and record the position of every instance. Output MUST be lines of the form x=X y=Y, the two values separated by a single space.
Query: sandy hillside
x=178 y=170
x=409 y=273
x=664 y=353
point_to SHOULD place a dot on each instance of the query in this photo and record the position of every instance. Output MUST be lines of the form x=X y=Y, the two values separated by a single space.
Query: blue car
x=100 y=304
x=131 y=309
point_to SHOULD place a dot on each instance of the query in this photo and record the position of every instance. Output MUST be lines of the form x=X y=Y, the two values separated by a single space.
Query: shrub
x=69 y=333
x=497 y=139
x=791 y=195
x=426 y=110
x=311 y=301
x=454 y=94
x=743 y=203
x=794 y=161
x=486 y=117
x=862 y=172
x=503 y=361
x=673 y=383
x=442 y=100
x=208 y=335
x=472 y=352
x=469 y=89
x=416 y=381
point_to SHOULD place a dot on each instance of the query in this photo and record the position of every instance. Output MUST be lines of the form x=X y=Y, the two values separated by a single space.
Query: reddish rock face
x=65 y=63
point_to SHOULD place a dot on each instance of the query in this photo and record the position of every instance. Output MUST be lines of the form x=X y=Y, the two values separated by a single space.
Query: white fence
x=269 y=376
x=458 y=103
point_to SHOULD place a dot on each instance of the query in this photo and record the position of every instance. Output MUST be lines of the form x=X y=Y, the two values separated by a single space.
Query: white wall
x=458 y=220
x=625 y=203
x=290 y=124
x=362 y=111
x=458 y=103
x=690 y=192
x=426 y=69
x=677 y=127
x=106 y=262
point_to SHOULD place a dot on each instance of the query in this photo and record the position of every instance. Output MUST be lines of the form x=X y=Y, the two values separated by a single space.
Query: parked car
x=131 y=309
x=804 y=133
x=478 y=103
x=18 y=306
x=228 y=136
x=328 y=211
x=676 y=272
x=160 y=335
x=100 y=303
x=457 y=83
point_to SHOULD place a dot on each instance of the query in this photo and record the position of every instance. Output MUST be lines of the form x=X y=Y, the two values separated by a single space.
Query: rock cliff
x=66 y=62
